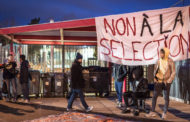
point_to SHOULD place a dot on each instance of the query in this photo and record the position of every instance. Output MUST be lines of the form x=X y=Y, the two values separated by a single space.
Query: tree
x=35 y=21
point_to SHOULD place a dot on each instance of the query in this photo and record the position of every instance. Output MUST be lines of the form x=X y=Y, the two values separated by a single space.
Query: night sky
x=20 y=12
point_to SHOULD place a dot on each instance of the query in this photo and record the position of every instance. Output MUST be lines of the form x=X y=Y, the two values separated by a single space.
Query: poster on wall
x=136 y=38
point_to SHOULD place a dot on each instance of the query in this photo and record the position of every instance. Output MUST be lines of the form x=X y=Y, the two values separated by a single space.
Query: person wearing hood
x=77 y=83
x=119 y=73
x=138 y=73
x=139 y=89
x=164 y=72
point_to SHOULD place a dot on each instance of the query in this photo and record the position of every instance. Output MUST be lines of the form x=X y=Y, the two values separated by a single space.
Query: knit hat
x=22 y=57
x=78 y=56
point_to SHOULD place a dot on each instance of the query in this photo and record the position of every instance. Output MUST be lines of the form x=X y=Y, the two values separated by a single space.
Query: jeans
x=158 y=88
x=14 y=89
x=25 y=90
x=72 y=97
x=119 y=88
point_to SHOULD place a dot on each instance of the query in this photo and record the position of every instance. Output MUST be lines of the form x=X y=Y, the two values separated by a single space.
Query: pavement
x=42 y=108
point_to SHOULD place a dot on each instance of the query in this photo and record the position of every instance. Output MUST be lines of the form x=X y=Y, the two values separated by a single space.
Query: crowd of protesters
x=138 y=91
x=164 y=73
x=10 y=73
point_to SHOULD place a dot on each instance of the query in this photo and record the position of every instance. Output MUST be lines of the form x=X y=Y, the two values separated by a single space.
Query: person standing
x=9 y=75
x=77 y=83
x=119 y=73
x=24 y=78
x=164 y=72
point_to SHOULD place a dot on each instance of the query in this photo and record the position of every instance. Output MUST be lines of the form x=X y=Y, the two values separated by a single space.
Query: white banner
x=136 y=38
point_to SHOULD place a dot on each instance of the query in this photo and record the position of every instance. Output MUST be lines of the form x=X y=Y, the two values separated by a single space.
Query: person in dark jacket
x=131 y=69
x=138 y=69
x=9 y=75
x=24 y=77
x=139 y=89
x=77 y=83
x=119 y=73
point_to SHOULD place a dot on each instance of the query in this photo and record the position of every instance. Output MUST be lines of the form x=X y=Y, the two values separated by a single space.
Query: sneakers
x=26 y=101
x=21 y=100
x=8 y=100
x=163 y=116
x=14 y=100
x=126 y=110
x=89 y=109
x=119 y=104
x=116 y=100
x=151 y=114
x=135 y=112
x=69 y=109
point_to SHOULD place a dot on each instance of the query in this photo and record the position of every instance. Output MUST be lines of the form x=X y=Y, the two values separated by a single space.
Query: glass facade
x=58 y=59
x=5 y=50
x=40 y=57
x=3 y=53
x=70 y=54
x=88 y=52
x=45 y=58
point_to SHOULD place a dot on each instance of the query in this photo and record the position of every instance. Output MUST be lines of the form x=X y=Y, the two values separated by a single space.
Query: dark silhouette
x=184 y=78
x=35 y=21
x=16 y=111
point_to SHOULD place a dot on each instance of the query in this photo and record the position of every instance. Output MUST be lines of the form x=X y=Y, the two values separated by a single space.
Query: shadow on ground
x=177 y=113
x=22 y=112
x=15 y=111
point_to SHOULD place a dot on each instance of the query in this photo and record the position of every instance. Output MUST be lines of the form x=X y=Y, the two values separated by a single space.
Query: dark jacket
x=143 y=82
x=24 y=73
x=77 y=80
x=9 y=73
x=138 y=71
x=142 y=86
x=119 y=72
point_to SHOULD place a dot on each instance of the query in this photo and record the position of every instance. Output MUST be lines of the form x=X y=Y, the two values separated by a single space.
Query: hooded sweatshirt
x=164 y=62
x=164 y=69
